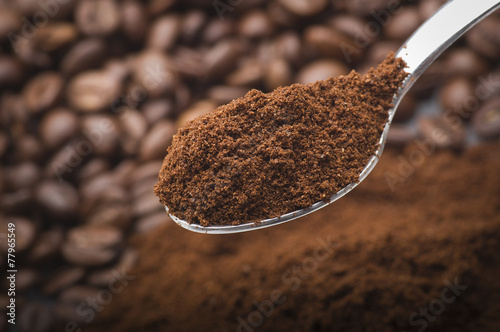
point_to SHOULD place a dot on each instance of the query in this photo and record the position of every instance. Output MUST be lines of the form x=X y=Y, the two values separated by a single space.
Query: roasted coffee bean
x=223 y=94
x=67 y=159
x=403 y=24
x=400 y=135
x=145 y=171
x=406 y=108
x=256 y=24
x=28 y=148
x=43 y=91
x=16 y=202
x=250 y=73
x=217 y=30
x=12 y=72
x=95 y=186
x=77 y=294
x=145 y=205
x=486 y=121
x=35 y=317
x=123 y=171
x=95 y=237
x=92 y=168
x=458 y=96
x=164 y=32
x=365 y=8
x=221 y=59
x=103 y=133
x=10 y=21
x=355 y=28
x=154 y=71
x=85 y=54
x=159 y=6
x=28 y=54
x=379 y=51
x=92 y=91
x=151 y=222
x=125 y=264
x=278 y=73
x=321 y=70
x=145 y=185
x=24 y=229
x=192 y=24
x=88 y=257
x=442 y=132
x=4 y=143
x=46 y=246
x=289 y=47
x=484 y=37
x=58 y=199
x=58 y=126
x=111 y=214
x=20 y=176
x=154 y=144
x=133 y=123
x=62 y=279
x=97 y=17
x=134 y=20
x=329 y=42
x=54 y=36
x=26 y=278
x=199 y=108
x=304 y=7
x=465 y=62
x=427 y=8
x=114 y=194
x=282 y=17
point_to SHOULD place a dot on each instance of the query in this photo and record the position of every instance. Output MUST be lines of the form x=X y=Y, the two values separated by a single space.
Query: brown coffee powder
x=264 y=155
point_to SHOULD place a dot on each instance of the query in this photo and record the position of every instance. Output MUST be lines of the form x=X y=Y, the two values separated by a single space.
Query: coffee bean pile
x=93 y=90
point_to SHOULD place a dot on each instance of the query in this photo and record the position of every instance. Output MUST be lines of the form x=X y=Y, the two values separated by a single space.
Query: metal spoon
x=434 y=36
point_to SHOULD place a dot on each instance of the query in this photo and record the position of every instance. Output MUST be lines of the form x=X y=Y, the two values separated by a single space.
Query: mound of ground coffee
x=264 y=155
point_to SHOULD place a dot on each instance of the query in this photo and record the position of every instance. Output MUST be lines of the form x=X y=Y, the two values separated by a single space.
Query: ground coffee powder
x=264 y=155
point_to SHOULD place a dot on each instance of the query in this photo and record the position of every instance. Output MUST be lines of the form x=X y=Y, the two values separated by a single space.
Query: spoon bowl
x=434 y=36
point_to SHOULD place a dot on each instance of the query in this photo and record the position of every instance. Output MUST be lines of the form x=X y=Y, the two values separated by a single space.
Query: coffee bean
x=134 y=20
x=486 y=121
x=58 y=126
x=54 y=36
x=88 y=257
x=355 y=28
x=164 y=32
x=77 y=294
x=154 y=144
x=304 y=7
x=159 y=6
x=123 y=171
x=114 y=194
x=25 y=231
x=223 y=94
x=20 y=176
x=125 y=264
x=133 y=123
x=103 y=133
x=64 y=162
x=35 y=317
x=154 y=71
x=26 y=278
x=289 y=47
x=145 y=185
x=12 y=72
x=278 y=73
x=62 y=279
x=427 y=8
x=95 y=186
x=95 y=237
x=10 y=21
x=147 y=170
x=199 y=108
x=403 y=24
x=97 y=17
x=59 y=200
x=16 y=202
x=406 y=108
x=28 y=148
x=145 y=205
x=4 y=143
x=458 y=96
x=217 y=30
x=92 y=91
x=255 y=24
x=192 y=24
x=250 y=73
x=465 y=62
x=151 y=222
x=400 y=135
x=156 y=109
x=43 y=91
x=46 y=246
x=442 y=132
x=484 y=38
x=69 y=313
x=379 y=51
x=282 y=17
x=320 y=70
x=364 y=7
x=92 y=168
x=327 y=41
x=85 y=54
x=221 y=59
x=29 y=55
x=112 y=215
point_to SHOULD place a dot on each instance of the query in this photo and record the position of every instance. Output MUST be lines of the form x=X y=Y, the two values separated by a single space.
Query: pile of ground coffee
x=378 y=260
x=264 y=155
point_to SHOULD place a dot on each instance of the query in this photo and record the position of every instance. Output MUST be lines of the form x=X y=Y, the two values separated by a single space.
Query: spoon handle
x=450 y=22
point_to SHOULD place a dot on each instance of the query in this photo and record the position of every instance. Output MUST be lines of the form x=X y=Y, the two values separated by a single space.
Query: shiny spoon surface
x=434 y=36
